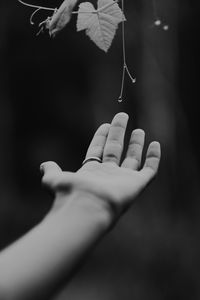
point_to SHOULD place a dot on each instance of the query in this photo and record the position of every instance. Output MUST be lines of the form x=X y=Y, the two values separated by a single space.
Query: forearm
x=37 y=264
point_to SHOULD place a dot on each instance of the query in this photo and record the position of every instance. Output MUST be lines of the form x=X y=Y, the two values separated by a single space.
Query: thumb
x=50 y=171
x=50 y=166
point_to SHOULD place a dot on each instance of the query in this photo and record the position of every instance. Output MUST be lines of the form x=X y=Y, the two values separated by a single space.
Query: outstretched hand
x=114 y=182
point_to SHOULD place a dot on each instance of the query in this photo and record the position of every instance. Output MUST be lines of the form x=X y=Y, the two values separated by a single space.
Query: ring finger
x=134 y=152
x=97 y=144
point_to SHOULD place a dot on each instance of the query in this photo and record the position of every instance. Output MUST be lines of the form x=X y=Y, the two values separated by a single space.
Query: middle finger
x=115 y=140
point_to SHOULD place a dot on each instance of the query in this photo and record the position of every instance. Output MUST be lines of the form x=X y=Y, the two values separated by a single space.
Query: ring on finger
x=91 y=158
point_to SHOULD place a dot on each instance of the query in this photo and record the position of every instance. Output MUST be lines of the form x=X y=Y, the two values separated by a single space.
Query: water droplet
x=157 y=22
x=120 y=99
x=134 y=80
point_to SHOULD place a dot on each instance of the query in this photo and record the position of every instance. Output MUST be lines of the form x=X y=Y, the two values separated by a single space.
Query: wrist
x=83 y=204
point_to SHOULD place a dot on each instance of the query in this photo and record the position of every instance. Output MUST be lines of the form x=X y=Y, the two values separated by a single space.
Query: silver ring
x=91 y=158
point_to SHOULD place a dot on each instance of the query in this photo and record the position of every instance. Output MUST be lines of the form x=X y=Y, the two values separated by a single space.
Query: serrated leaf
x=100 y=24
x=61 y=17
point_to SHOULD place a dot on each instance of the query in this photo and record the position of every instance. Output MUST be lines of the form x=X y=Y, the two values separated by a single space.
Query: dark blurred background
x=54 y=93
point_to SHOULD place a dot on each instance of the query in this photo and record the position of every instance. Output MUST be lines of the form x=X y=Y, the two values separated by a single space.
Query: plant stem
x=36 y=6
x=125 y=68
x=84 y=12
x=96 y=10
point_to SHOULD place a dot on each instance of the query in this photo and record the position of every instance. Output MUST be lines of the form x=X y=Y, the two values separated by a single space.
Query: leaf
x=61 y=17
x=100 y=24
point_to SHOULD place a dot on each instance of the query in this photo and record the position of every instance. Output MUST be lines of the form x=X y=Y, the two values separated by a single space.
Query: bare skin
x=87 y=204
x=114 y=182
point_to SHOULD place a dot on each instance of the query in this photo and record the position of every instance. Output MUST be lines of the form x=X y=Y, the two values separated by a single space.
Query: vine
x=100 y=24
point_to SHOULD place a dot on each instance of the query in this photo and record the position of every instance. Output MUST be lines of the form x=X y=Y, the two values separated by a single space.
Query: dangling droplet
x=134 y=80
x=120 y=99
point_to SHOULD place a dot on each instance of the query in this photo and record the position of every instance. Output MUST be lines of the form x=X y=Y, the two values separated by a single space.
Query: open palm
x=115 y=181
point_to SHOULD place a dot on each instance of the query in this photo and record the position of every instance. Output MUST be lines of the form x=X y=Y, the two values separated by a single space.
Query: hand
x=111 y=182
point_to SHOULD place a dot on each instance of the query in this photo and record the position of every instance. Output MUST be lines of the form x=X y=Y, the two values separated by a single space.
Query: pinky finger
x=152 y=161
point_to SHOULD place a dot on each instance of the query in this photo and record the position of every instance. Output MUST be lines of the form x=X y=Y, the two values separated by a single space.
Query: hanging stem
x=36 y=6
x=37 y=9
x=120 y=99
x=125 y=68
